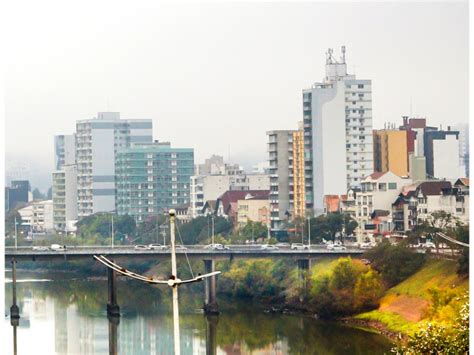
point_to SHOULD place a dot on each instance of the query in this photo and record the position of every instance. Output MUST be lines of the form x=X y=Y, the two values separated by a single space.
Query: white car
x=430 y=245
x=40 y=248
x=141 y=247
x=158 y=247
x=282 y=245
x=57 y=247
x=337 y=247
x=269 y=247
x=299 y=246
x=180 y=247
x=216 y=247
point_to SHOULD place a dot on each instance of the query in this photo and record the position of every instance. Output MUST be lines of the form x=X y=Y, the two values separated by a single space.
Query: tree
x=254 y=230
x=462 y=234
x=394 y=262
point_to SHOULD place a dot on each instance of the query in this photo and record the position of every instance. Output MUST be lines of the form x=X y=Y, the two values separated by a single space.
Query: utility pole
x=212 y=219
x=16 y=236
x=174 y=275
x=309 y=232
x=112 y=231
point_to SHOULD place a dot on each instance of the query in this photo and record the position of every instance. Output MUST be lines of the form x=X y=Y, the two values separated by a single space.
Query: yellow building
x=298 y=174
x=253 y=209
x=391 y=151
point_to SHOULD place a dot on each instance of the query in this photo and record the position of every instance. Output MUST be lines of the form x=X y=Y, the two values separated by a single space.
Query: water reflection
x=69 y=317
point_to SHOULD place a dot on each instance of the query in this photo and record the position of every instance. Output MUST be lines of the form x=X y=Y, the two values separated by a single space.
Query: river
x=65 y=314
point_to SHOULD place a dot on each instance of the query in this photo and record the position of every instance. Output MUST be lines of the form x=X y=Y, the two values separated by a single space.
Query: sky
x=217 y=76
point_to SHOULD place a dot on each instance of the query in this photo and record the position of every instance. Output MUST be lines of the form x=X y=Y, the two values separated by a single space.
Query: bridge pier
x=113 y=309
x=210 y=283
x=14 y=310
x=211 y=332
x=304 y=269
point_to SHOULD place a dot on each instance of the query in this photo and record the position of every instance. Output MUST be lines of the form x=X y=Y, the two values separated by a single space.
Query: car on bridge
x=299 y=246
x=216 y=247
x=336 y=247
x=269 y=247
x=57 y=247
x=40 y=248
x=282 y=245
x=158 y=247
x=180 y=247
x=141 y=247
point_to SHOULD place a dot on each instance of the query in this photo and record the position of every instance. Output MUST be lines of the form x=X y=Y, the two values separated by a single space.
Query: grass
x=411 y=296
x=392 y=321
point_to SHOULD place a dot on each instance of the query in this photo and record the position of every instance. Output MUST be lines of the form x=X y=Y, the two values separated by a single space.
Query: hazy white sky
x=215 y=76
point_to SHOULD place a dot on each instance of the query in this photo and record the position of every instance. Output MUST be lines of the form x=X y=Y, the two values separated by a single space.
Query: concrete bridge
x=208 y=256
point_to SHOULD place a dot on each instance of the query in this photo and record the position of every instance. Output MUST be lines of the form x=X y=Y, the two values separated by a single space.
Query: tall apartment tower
x=97 y=142
x=152 y=178
x=337 y=118
x=65 y=197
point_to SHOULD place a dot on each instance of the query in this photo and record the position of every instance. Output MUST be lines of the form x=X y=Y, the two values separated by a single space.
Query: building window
x=392 y=185
x=360 y=86
x=382 y=186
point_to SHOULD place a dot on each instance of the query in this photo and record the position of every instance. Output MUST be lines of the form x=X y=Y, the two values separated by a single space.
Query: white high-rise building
x=337 y=119
x=65 y=198
x=64 y=150
x=464 y=148
x=97 y=141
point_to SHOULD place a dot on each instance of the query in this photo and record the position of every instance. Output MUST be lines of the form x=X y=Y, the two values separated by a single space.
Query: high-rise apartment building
x=280 y=156
x=97 y=142
x=65 y=198
x=337 y=118
x=298 y=183
x=441 y=149
x=390 y=151
x=464 y=147
x=64 y=150
x=152 y=177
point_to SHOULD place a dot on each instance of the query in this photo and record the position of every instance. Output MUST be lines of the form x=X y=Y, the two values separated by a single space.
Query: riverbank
x=431 y=294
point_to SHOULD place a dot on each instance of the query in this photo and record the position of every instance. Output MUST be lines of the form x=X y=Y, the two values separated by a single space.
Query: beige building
x=253 y=209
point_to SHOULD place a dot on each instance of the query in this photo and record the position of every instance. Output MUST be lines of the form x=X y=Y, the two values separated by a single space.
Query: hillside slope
x=429 y=294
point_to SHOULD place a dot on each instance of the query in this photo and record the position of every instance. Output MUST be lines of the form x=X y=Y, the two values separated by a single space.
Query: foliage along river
x=64 y=315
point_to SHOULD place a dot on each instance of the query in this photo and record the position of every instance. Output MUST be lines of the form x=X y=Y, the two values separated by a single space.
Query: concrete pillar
x=210 y=289
x=304 y=268
x=112 y=307
x=211 y=334
x=14 y=310
x=114 y=321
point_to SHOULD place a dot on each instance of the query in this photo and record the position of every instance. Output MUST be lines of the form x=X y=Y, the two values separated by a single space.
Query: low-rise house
x=378 y=191
x=227 y=204
x=38 y=216
x=255 y=209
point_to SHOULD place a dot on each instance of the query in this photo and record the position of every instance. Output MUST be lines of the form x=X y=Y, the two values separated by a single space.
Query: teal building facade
x=152 y=178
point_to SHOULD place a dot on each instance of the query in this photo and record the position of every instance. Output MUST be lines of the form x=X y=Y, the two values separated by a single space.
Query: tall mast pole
x=174 y=275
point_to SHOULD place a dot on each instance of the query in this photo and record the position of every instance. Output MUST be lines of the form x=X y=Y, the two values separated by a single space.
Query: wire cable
x=185 y=254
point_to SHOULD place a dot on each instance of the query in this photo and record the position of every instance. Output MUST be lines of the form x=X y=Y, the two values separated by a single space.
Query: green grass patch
x=393 y=321
x=435 y=273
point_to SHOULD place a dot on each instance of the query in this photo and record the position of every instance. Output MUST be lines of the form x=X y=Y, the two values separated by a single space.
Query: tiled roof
x=463 y=181
x=234 y=195
x=431 y=188
x=379 y=213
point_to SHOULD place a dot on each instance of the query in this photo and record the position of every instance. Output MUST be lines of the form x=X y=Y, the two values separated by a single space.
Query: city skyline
x=227 y=71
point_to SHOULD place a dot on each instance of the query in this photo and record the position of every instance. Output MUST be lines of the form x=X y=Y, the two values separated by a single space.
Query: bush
x=395 y=262
x=347 y=287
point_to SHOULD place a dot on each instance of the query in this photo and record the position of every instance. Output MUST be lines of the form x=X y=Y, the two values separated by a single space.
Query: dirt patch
x=410 y=308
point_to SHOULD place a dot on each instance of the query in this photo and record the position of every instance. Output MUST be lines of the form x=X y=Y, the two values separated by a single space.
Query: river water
x=61 y=314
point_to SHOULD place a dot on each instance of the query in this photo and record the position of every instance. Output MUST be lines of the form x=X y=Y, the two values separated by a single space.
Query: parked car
x=299 y=246
x=365 y=245
x=430 y=245
x=269 y=247
x=57 y=247
x=216 y=246
x=141 y=247
x=282 y=245
x=158 y=247
x=40 y=248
